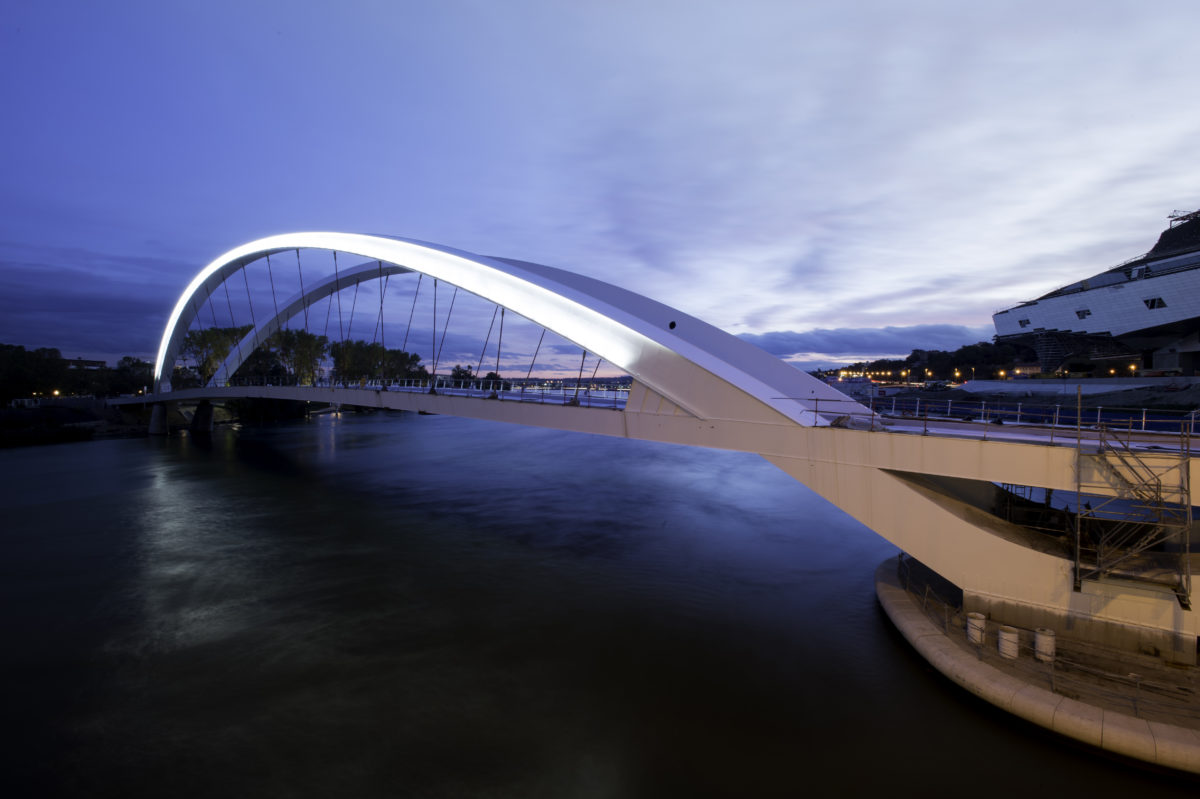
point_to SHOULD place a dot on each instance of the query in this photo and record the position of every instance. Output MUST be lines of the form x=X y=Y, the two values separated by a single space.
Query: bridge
x=1079 y=529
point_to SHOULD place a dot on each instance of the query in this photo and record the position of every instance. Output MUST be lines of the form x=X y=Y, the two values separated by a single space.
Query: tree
x=461 y=373
x=300 y=352
x=24 y=372
x=400 y=365
x=131 y=375
x=208 y=348
x=497 y=381
x=356 y=360
x=264 y=364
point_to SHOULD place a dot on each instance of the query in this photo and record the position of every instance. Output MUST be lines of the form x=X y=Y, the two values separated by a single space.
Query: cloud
x=85 y=303
x=899 y=166
x=867 y=342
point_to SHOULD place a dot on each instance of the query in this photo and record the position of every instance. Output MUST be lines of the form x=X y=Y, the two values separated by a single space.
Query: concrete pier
x=1165 y=733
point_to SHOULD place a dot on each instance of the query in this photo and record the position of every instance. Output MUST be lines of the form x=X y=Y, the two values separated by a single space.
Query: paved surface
x=1089 y=694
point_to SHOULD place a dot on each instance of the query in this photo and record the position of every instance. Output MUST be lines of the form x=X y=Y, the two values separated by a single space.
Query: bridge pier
x=159 y=426
x=202 y=418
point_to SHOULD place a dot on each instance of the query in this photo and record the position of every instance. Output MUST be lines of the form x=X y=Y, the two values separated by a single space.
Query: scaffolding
x=1142 y=534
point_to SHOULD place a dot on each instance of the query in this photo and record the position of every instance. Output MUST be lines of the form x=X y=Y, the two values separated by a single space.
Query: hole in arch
x=672 y=325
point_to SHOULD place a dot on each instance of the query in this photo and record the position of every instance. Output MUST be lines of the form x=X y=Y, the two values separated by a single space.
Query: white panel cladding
x=1117 y=310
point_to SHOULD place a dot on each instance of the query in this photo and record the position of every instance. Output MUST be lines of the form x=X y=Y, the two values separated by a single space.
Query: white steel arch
x=705 y=371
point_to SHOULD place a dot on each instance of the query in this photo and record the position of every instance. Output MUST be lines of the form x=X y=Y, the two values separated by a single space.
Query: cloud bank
x=851 y=344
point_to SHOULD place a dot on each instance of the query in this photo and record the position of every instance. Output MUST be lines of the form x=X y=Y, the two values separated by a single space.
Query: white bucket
x=976 y=624
x=1009 y=642
x=1043 y=644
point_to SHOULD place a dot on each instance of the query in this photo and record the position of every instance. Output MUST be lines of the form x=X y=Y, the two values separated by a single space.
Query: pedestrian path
x=1152 y=714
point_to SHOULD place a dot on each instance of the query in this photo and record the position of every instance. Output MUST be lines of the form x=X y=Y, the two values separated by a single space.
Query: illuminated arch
x=699 y=368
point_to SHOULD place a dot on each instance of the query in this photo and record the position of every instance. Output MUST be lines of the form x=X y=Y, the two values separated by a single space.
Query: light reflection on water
x=419 y=605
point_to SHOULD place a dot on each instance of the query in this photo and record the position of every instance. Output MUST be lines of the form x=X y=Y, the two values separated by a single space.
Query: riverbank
x=1136 y=706
x=54 y=424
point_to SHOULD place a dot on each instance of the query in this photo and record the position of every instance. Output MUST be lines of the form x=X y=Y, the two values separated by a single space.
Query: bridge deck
x=1036 y=455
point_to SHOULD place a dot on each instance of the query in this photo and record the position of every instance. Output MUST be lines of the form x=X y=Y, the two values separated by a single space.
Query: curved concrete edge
x=1155 y=742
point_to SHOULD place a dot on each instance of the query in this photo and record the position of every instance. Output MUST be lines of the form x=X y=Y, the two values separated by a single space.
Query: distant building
x=82 y=363
x=1145 y=311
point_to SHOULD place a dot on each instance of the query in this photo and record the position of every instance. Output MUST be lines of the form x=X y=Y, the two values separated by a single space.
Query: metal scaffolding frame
x=1121 y=536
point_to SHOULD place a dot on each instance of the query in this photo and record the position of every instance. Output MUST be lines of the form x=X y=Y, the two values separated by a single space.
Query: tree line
x=985 y=356
x=43 y=371
x=288 y=356
x=293 y=356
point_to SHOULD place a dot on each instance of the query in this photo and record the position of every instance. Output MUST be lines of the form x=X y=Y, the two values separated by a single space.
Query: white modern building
x=1144 y=311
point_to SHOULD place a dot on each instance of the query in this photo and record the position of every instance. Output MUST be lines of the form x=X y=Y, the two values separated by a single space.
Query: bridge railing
x=587 y=395
x=842 y=413
x=1058 y=421
x=1061 y=417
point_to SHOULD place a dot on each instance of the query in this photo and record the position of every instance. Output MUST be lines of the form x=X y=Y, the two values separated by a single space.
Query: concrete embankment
x=1165 y=744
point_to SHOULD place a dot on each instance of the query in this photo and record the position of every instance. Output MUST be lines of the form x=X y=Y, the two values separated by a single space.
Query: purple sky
x=837 y=180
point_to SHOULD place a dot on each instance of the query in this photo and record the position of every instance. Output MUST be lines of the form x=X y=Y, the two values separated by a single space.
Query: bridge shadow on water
x=401 y=605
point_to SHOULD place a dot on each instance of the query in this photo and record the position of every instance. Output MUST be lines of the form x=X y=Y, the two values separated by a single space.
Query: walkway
x=1133 y=705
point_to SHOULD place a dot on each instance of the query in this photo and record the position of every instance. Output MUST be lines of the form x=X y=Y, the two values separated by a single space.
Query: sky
x=831 y=180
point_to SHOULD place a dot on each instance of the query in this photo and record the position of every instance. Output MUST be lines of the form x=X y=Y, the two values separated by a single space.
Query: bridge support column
x=158 y=419
x=202 y=418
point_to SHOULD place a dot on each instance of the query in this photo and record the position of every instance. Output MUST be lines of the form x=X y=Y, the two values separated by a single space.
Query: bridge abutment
x=1004 y=570
x=1085 y=620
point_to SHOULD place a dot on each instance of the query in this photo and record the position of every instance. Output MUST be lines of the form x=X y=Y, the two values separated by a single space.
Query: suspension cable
x=303 y=296
x=579 y=379
x=229 y=304
x=337 y=286
x=535 y=354
x=250 y=302
x=353 y=305
x=232 y=322
x=274 y=300
x=328 y=311
x=404 y=346
x=379 y=321
x=483 y=351
x=445 y=327
x=499 y=340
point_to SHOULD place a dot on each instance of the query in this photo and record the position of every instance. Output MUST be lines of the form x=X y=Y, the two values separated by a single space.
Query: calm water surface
x=422 y=606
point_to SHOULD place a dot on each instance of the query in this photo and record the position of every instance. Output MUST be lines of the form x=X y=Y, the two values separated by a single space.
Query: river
x=423 y=606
